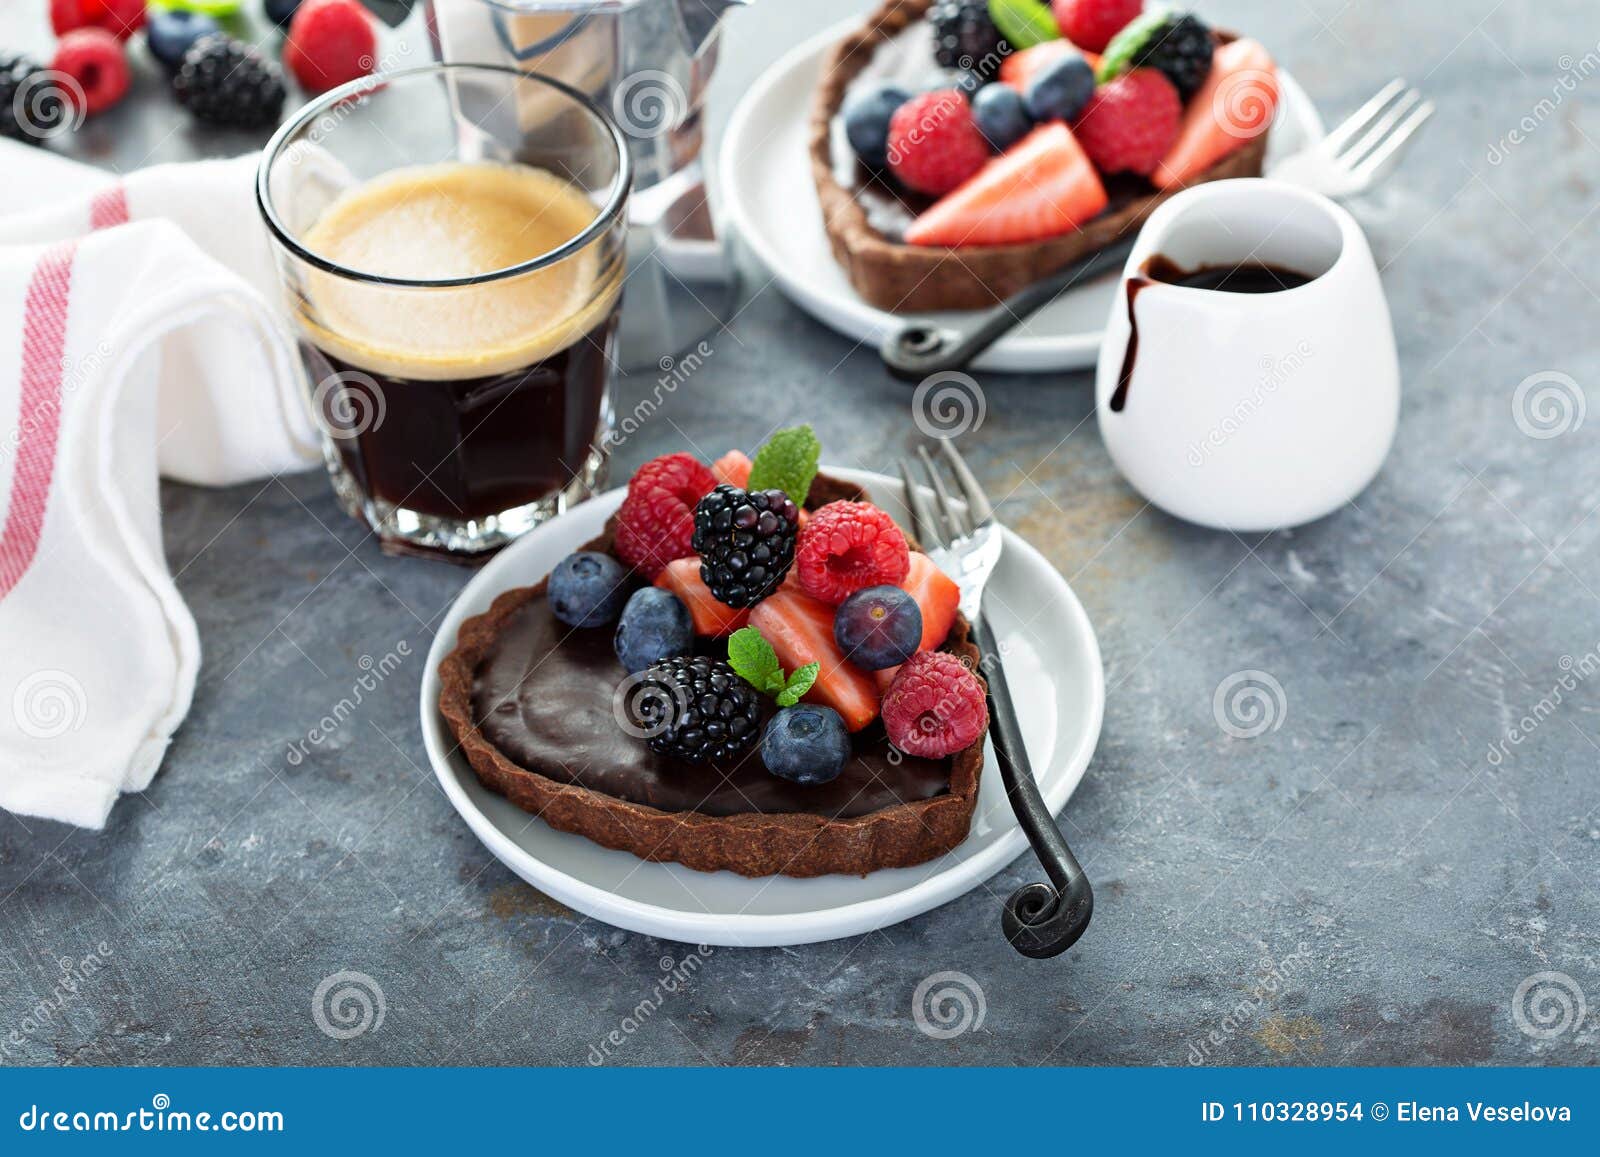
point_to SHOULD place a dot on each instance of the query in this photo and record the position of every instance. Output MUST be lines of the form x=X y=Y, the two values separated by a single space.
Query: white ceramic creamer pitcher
x=1249 y=410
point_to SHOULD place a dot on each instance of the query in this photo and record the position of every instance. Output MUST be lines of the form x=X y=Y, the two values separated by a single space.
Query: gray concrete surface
x=1363 y=884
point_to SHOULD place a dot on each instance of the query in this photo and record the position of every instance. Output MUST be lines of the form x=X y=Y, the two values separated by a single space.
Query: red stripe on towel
x=44 y=342
x=109 y=207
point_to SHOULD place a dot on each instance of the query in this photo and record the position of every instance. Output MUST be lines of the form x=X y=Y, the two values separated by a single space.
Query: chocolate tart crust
x=914 y=278
x=755 y=844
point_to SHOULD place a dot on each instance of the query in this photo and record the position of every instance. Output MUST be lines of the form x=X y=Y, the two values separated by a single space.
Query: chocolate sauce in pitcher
x=1246 y=277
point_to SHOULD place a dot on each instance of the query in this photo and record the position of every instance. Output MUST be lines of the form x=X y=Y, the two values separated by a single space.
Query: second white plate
x=764 y=177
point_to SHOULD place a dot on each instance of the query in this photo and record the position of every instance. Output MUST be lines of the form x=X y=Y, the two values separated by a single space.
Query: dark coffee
x=467 y=448
x=1246 y=277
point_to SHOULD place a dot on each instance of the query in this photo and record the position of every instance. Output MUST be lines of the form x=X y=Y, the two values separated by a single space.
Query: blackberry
x=964 y=36
x=1176 y=44
x=696 y=709
x=224 y=81
x=745 y=542
x=43 y=106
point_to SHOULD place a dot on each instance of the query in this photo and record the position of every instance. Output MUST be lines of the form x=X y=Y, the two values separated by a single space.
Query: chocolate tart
x=529 y=702
x=914 y=278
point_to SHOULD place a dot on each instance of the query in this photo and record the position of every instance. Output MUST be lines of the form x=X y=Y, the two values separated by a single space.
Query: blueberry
x=170 y=31
x=878 y=627
x=1060 y=90
x=588 y=589
x=655 y=625
x=806 y=744
x=280 y=12
x=1000 y=115
x=866 y=121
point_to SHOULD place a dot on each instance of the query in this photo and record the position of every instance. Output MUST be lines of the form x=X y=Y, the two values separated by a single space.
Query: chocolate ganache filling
x=543 y=696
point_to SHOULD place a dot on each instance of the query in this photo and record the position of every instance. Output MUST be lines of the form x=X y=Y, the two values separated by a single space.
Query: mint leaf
x=1125 y=45
x=798 y=684
x=787 y=461
x=1024 y=23
x=753 y=660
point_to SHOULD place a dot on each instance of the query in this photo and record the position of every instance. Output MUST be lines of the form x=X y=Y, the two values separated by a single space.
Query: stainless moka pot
x=648 y=63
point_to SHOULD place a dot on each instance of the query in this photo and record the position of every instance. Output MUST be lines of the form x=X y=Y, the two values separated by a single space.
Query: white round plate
x=1054 y=665
x=764 y=175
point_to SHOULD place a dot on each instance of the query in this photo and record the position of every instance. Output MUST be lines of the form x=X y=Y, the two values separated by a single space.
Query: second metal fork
x=965 y=541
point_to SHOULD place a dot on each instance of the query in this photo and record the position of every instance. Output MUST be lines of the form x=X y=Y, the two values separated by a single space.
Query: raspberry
x=93 y=57
x=847 y=546
x=1091 y=24
x=330 y=42
x=934 y=145
x=1130 y=123
x=935 y=707
x=655 y=524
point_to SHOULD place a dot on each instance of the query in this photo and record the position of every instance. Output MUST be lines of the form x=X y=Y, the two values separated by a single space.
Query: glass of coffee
x=451 y=242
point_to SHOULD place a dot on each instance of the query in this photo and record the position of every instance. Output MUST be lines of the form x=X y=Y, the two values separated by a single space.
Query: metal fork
x=1039 y=920
x=1363 y=147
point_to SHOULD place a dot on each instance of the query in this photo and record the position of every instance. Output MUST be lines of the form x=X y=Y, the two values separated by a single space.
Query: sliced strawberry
x=1019 y=68
x=1043 y=186
x=937 y=597
x=711 y=617
x=732 y=468
x=800 y=629
x=1234 y=106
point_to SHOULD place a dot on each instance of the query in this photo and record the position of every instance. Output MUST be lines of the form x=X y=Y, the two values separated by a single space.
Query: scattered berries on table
x=878 y=627
x=934 y=144
x=121 y=18
x=1176 y=44
x=655 y=625
x=847 y=546
x=171 y=32
x=98 y=68
x=280 y=12
x=33 y=105
x=330 y=42
x=745 y=540
x=1001 y=116
x=1092 y=23
x=1060 y=90
x=588 y=589
x=1130 y=123
x=695 y=708
x=964 y=35
x=225 y=82
x=866 y=121
x=807 y=744
x=655 y=524
x=935 y=707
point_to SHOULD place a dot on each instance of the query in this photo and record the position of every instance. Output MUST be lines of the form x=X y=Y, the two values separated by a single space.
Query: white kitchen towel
x=136 y=339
